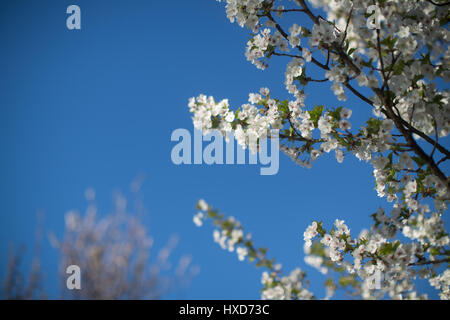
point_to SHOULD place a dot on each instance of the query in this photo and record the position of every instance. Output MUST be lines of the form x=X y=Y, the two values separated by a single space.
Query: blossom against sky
x=96 y=107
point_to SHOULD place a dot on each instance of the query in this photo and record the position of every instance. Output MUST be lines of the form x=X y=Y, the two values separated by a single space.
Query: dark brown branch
x=401 y=124
x=420 y=263
x=287 y=10
x=439 y=4
x=286 y=55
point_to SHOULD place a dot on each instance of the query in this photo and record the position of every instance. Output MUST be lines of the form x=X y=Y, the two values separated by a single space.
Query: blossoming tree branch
x=393 y=56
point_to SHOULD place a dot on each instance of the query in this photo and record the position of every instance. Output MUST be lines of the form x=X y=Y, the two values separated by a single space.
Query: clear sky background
x=96 y=107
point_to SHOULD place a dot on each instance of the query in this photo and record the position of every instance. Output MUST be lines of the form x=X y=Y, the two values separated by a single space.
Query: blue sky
x=95 y=107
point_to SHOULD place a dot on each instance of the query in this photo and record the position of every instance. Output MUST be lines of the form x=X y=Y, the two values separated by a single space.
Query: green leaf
x=336 y=113
x=315 y=114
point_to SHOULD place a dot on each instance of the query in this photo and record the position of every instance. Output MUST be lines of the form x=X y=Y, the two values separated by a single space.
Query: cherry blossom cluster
x=230 y=236
x=442 y=283
x=248 y=124
x=373 y=254
x=286 y=287
x=402 y=57
x=393 y=56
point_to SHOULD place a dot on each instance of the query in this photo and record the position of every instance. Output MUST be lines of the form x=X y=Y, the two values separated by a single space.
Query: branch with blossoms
x=401 y=114
x=373 y=252
x=318 y=257
x=370 y=253
x=230 y=236
x=397 y=67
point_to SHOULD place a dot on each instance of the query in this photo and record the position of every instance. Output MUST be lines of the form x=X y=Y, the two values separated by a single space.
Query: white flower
x=345 y=113
x=254 y=98
x=339 y=155
x=242 y=253
x=202 y=205
x=198 y=219
x=306 y=54
x=310 y=233
x=229 y=117
x=264 y=91
x=295 y=30
x=294 y=41
x=326 y=240
x=316 y=262
x=403 y=32
x=345 y=125
x=341 y=227
x=275 y=293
